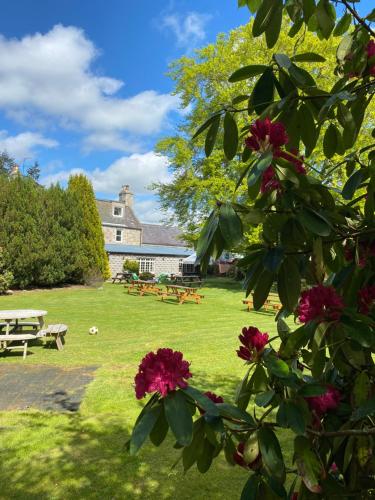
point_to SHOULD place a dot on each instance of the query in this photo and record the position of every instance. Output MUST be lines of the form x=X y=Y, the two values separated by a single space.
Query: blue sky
x=83 y=85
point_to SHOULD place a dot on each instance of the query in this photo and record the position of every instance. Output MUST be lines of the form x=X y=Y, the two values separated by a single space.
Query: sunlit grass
x=61 y=456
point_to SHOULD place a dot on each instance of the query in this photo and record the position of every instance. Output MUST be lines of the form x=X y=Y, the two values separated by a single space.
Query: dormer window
x=117 y=211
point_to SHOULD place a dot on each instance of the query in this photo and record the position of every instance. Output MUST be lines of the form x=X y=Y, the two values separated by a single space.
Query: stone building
x=157 y=248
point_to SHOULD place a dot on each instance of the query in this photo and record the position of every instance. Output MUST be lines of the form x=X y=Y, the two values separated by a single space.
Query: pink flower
x=371 y=53
x=321 y=303
x=239 y=458
x=266 y=135
x=366 y=299
x=269 y=181
x=294 y=496
x=253 y=342
x=320 y=405
x=161 y=372
x=294 y=158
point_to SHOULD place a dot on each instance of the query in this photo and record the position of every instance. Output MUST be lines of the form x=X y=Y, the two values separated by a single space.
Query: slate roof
x=155 y=234
x=149 y=250
x=105 y=208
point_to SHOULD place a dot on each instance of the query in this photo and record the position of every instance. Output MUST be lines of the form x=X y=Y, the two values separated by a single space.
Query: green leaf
x=264 y=398
x=289 y=283
x=229 y=411
x=273 y=259
x=247 y=72
x=309 y=133
x=343 y=25
x=179 y=417
x=282 y=60
x=295 y=28
x=308 y=57
x=143 y=428
x=263 y=16
x=259 y=167
x=230 y=225
x=211 y=136
x=301 y=77
x=207 y=234
x=346 y=120
x=204 y=460
x=271 y=454
x=203 y=401
x=191 y=452
x=262 y=95
x=325 y=18
x=298 y=339
x=352 y=184
x=290 y=415
x=205 y=125
x=309 y=390
x=160 y=430
x=308 y=464
x=361 y=389
x=250 y=490
x=308 y=7
x=314 y=222
x=330 y=141
x=230 y=136
x=365 y=410
x=344 y=48
x=262 y=288
x=253 y=5
x=274 y=25
x=359 y=332
x=276 y=366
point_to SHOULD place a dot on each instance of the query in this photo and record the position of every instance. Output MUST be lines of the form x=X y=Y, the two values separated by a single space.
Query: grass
x=46 y=455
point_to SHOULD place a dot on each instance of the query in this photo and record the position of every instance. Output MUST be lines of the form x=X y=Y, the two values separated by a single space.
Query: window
x=118 y=235
x=117 y=211
x=180 y=265
x=146 y=265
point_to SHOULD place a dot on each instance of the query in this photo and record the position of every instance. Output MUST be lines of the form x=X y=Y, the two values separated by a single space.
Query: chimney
x=125 y=196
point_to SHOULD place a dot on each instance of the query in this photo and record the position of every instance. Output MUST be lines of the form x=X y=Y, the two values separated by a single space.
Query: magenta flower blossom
x=366 y=299
x=266 y=135
x=239 y=458
x=371 y=53
x=294 y=158
x=269 y=181
x=161 y=372
x=253 y=342
x=328 y=401
x=320 y=303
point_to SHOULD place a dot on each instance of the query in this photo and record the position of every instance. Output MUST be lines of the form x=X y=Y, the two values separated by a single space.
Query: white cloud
x=23 y=145
x=137 y=170
x=189 y=30
x=51 y=77
x=148 y=211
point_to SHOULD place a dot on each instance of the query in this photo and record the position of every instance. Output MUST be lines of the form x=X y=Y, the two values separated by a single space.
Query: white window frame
x=147 y=265
x=117 y=215
x=118 y=232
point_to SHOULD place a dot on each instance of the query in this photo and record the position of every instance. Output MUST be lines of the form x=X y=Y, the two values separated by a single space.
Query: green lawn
x=64 y=456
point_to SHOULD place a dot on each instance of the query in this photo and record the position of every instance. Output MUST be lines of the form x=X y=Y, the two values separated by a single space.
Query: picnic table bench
x=182 y=293
x=192 y=280
x=121 y=277
x=143 y=287
x=272 y=303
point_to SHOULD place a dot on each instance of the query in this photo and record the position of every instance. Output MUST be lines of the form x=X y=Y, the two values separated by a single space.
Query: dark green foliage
x=6 y=277
x=41 y=233
x=91 y=239
x=131 y=266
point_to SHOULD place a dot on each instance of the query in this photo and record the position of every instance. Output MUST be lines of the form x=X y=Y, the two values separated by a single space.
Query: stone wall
x=165 y=264
x=129 y=236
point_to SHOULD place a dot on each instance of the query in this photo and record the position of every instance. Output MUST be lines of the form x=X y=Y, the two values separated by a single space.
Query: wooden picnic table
x=12 y=328
x=272 y=303
x=142 y=287
x=182 y=293
x=193 y=279
x=120 y=277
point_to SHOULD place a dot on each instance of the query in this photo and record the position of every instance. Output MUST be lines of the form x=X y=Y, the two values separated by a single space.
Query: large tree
x=201 y=81
x=91 y=237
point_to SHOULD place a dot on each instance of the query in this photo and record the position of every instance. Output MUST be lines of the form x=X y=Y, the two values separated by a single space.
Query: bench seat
x=21 y=337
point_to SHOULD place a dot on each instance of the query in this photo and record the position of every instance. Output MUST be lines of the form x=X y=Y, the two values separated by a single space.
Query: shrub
x=6 y=277
x=132 y=266
x=146 y=276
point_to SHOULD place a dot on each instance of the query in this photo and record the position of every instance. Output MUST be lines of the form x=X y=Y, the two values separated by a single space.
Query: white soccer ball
x=93 y=330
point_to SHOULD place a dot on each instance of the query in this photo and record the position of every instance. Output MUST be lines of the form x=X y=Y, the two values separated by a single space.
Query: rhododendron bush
x=315 y=379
